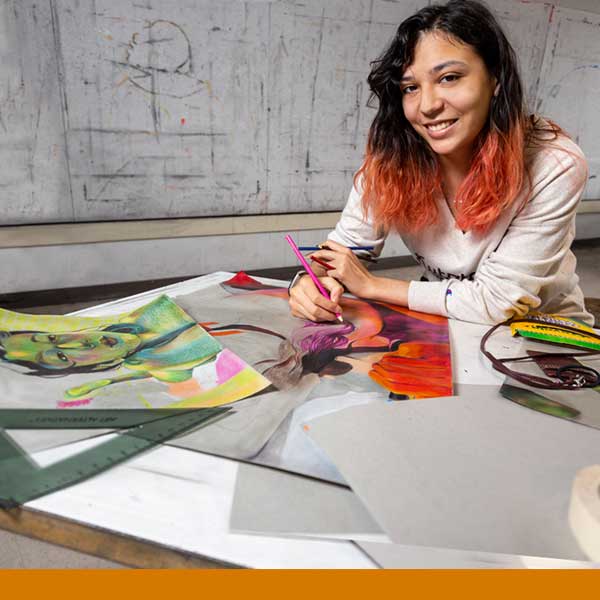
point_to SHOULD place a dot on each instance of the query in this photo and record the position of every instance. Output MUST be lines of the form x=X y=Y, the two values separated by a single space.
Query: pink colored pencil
x=310 y=272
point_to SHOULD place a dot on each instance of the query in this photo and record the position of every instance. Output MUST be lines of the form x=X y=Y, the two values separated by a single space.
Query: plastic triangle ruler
x=22 y=480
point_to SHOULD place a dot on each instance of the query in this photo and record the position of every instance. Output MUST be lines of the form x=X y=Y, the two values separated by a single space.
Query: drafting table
x=170 y=507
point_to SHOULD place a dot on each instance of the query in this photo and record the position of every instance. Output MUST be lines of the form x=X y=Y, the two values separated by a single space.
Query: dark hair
x=471 y=23
x=400 y=174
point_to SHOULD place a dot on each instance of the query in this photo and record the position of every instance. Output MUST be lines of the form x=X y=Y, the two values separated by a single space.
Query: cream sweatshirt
x=523 y=262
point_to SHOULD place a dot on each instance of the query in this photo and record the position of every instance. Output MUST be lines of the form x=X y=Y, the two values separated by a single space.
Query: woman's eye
x=62 y=356
x=449 y=77
x=409 y=89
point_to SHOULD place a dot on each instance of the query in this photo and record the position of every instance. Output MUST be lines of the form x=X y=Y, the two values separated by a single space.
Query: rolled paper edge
x=584 y=511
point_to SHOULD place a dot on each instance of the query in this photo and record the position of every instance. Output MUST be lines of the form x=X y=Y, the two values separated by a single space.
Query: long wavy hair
x=400 y=176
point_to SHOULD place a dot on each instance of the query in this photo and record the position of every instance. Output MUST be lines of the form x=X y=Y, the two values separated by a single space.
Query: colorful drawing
x=536 y=401
x=157 y=342
x=406 y=352
x=223 y=343
x=580 y=405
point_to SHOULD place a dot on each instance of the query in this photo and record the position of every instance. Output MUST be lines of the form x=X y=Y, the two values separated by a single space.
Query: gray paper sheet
x=271 y=502
x=475 y=472
x=396 y=556
x=250 y=425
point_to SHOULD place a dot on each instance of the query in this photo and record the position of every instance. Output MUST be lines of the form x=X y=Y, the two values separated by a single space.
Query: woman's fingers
x=307 y=302
x=317 y=298
x=341 y=263
x=335 y=289
x=346 y=268
x=337 y=247
x=299 y=311
x=304 y=307
x=327 y=255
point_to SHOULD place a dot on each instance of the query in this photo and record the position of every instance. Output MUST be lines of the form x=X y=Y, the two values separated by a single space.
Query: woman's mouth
x=439 y=128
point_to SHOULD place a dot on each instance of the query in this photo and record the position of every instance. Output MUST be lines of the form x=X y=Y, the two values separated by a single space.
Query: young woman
x=483 y=195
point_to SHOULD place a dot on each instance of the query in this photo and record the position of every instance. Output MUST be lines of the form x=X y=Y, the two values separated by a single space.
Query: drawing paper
x=153 y=357
x=403 y=351
x=248 y=349
x=475 y=472
x=397 y=556
x=314 y=368
x=272 y=502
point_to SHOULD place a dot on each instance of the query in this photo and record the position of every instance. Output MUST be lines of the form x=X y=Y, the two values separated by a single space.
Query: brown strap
x=551 y=364
x=571 y=376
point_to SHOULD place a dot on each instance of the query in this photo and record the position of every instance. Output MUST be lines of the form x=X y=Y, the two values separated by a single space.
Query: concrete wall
x=121 y=110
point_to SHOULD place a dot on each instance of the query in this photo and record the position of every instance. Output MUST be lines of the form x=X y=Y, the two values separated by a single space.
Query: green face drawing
x=69 y=350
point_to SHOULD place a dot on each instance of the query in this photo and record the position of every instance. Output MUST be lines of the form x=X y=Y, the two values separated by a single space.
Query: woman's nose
x=431 y=102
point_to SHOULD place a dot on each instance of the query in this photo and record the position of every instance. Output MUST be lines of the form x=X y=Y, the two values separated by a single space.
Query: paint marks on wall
x=273 y=95
x=570 y=83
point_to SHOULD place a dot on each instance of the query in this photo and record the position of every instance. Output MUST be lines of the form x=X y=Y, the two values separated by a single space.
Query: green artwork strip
x=536 y=401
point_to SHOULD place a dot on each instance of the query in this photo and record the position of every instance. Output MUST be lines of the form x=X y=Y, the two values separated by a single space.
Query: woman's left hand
x=347 y=269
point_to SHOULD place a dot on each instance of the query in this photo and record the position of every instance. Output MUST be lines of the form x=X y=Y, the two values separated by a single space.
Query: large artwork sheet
x=403 y=351
x=230 y=342
x=156 y=356
x=381 y=351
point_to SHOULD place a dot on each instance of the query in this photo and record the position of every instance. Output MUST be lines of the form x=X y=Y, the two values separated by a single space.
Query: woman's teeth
x=441 y=126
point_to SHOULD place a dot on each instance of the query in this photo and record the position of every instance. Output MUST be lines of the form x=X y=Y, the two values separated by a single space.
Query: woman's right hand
x=307 y=302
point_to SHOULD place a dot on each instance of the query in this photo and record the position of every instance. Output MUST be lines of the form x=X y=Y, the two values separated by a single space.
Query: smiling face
x=61 y=351
x=446 y=95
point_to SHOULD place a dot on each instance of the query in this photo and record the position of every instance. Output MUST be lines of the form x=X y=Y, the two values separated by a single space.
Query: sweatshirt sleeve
x=508 y=282
x=354 y=229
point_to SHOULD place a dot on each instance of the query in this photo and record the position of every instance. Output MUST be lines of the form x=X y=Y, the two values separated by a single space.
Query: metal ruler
x=22 y=480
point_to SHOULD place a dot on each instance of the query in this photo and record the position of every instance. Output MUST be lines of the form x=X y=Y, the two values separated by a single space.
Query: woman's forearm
x=384 y=289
